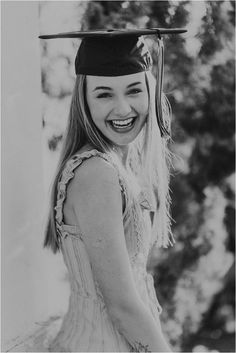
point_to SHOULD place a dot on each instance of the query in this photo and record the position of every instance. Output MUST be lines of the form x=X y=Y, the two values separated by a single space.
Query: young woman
x=109 y=204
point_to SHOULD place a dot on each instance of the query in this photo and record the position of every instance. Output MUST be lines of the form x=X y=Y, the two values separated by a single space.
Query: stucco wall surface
x=33 y=285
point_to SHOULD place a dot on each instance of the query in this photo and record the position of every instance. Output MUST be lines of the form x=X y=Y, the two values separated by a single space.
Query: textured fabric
x=87 y=325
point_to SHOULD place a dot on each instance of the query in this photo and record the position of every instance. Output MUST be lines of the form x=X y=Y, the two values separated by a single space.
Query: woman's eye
x=104 y=95
x=134 y=91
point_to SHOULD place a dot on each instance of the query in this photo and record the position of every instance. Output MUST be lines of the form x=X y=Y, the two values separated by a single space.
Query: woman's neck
x=123 y=153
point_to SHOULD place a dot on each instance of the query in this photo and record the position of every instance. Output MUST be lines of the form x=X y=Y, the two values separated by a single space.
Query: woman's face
x=118 y=105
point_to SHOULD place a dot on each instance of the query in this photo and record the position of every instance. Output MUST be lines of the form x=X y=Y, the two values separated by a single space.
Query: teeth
x=122 y=123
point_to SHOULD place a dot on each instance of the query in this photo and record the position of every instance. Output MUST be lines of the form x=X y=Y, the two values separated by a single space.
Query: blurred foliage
x=195 y=279
x=191 y=279
x=53 y=142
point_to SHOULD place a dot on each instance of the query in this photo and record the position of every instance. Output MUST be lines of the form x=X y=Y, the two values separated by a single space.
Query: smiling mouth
x=122 y=124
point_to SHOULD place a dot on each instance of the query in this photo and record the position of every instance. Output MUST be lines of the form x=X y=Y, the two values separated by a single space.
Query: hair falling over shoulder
x=148 y=157
x=80 y=131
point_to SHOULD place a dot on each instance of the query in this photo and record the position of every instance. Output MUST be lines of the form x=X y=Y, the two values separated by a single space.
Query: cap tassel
x=164 y=130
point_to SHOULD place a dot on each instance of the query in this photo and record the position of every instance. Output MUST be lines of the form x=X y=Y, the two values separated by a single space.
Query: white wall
x=30 y=275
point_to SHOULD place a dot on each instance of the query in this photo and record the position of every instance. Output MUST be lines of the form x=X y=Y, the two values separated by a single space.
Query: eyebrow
x=110 y=89
x=102 y=87
x=134 y=84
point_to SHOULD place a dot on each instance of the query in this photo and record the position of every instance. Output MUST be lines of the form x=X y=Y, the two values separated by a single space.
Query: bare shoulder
x=95 y=179
x=95 y=170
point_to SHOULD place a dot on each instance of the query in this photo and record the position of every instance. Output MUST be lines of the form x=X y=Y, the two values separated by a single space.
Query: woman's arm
x=97 y=205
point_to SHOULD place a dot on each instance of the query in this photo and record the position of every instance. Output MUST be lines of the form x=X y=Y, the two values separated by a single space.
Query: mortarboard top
x=111 y=33
x=117 y=52
x=113 y=52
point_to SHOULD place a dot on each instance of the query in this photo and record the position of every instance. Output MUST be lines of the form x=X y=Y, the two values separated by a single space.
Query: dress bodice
x=87 y=325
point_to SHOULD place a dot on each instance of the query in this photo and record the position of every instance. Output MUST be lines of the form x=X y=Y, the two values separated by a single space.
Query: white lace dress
x=87 y=326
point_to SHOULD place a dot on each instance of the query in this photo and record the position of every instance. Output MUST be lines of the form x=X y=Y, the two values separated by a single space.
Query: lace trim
x=138 y=224
x=139 y=347
x=137 y=232
x=133 y=208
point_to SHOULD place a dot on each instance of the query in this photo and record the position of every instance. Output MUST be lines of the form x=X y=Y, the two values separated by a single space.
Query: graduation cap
x=118 y=52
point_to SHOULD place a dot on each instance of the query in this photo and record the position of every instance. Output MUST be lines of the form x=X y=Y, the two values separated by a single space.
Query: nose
x=122 y=107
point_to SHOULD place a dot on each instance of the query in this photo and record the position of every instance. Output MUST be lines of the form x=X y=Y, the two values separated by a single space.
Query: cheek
x=97 y=111
x=143 y=105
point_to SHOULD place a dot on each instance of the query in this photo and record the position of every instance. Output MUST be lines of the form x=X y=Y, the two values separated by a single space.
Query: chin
x=126 y=140
x=124 y=143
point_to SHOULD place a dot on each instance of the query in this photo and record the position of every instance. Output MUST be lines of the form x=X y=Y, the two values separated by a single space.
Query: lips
x=122 y=124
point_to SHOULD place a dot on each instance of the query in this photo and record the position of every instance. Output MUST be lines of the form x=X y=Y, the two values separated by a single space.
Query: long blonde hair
x=147 y=157
x=150 y=157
